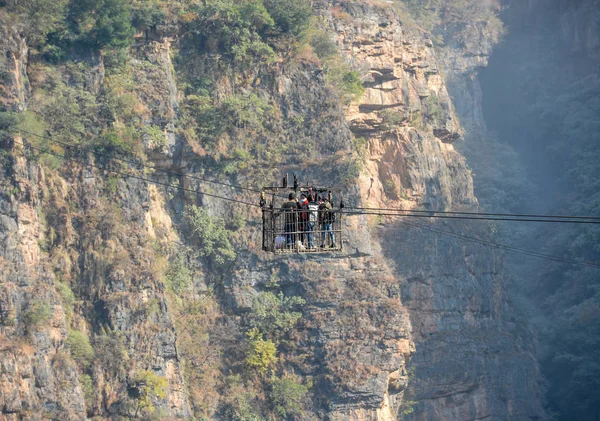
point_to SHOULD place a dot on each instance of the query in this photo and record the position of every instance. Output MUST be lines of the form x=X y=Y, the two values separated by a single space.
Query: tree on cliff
x=291 y=16
x=42 y=16
x=101 y=23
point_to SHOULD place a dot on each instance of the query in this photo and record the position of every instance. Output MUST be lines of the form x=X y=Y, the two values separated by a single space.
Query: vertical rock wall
x=37 y=374
x=98 y=250
x=473 y=360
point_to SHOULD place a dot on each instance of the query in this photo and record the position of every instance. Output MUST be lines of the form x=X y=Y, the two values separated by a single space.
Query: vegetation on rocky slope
x=97 y=99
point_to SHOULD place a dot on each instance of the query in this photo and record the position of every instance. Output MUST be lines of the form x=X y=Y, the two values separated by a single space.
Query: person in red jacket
x=303 y=214
x=312 y=220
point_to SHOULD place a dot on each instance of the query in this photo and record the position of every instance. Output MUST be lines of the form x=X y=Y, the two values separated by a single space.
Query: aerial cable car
x=303 y=220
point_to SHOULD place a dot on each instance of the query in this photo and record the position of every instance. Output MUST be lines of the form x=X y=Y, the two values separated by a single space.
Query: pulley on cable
x=303 y=220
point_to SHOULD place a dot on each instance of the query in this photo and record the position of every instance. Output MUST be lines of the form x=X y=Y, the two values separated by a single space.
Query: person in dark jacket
x=327 y=219
x=290 y=211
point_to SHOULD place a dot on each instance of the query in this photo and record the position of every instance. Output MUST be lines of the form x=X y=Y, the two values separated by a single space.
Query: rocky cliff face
x=405 y=114
x=466 y=378
x=59 y=233
x=82 y=253
x=469 y=345
x=32 y=367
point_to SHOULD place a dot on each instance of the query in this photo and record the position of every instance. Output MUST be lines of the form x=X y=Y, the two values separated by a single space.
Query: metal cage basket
x=299 y=231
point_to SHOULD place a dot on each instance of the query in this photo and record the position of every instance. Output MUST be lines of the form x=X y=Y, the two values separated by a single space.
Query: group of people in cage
x=304 y=219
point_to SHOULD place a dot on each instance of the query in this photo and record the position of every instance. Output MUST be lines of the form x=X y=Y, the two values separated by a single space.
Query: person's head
x=302 y=196
x=292 y=196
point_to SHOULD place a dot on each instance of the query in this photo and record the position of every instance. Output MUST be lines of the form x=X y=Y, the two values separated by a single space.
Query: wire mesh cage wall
x=299 y=231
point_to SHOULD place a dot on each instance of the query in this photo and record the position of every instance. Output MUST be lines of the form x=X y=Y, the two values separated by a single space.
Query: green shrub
x=149 y=387
x=33 y=130
x=352 y=84
x=359 y=145
x=238 y=161
x=346 y=81
x=147 y=15
x=112 y=143
x=81 y=350
x=155 y=137
x=322 y=45
x=28 y=125
x=260 y=354
x=206 y=115
x=435 y=112
x=178 y=275
x=68 y=299
x=43 y=16
x=273 y=282
x=112 y=184
x=288 y=396
x=118 y=100
x=9 y=121
x=68 y=112
x=290 y=16
x=210 y=234
x=102 y=23
x=238 y=400
x=240 y=155
x=38 y=313
x=459 y=16
x=350 y=169
x=245 y=111
x=273 y=315
x=254 y=13
x=391 y=119
x=234 y=29
x=425 y=12
x=87 y=387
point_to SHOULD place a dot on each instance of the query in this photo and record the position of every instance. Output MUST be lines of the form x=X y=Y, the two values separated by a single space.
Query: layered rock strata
x=464 y=326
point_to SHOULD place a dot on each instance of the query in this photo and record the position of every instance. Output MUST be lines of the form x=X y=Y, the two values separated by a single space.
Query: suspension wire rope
x=477 y=213
x=432 y=229
x=412 y=212
x=349 y=212
x=473 y=218
x=126 y=175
